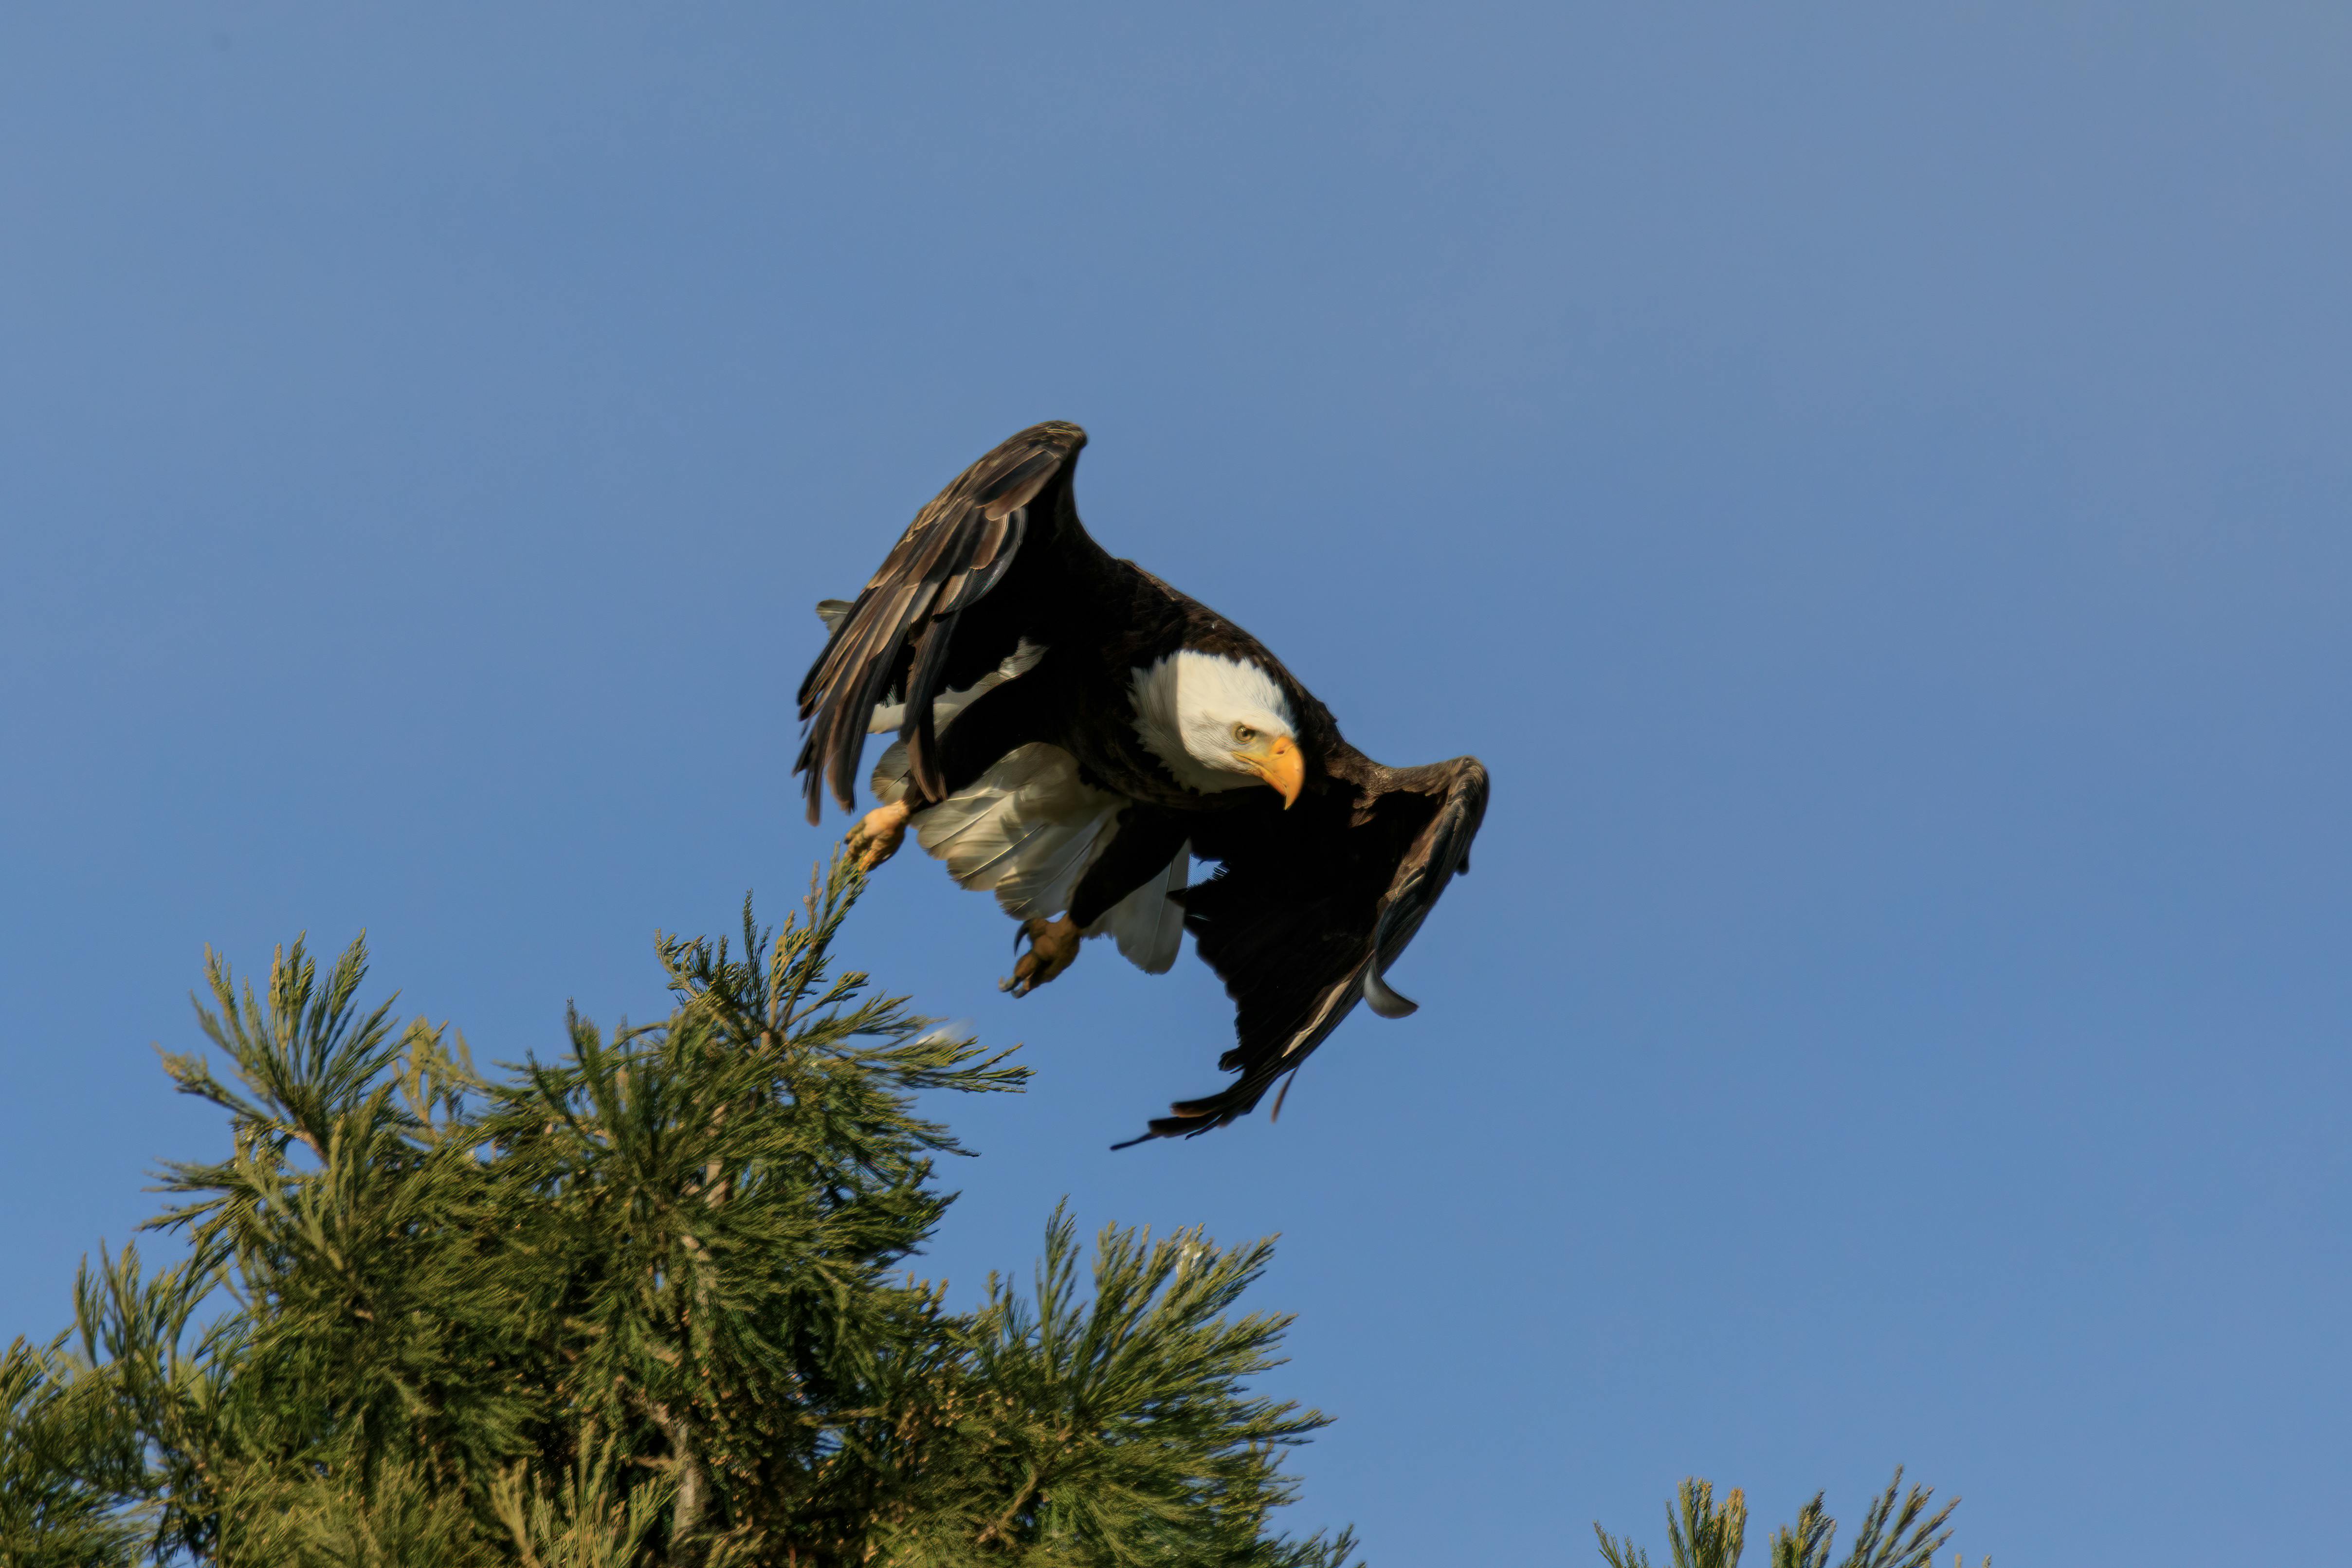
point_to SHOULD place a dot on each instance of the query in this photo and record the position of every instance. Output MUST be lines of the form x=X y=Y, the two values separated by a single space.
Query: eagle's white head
x=1218 y=723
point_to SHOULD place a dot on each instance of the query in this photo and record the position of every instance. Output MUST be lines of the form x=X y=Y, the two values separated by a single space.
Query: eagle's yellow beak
x=1276 y=760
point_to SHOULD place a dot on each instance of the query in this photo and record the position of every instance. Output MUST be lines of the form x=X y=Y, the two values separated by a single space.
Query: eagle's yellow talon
x=1053 y=947
x=879 y=833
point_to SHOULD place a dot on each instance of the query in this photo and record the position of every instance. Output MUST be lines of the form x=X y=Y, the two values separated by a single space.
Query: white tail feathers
x=1147 y=924
x=1029 y=828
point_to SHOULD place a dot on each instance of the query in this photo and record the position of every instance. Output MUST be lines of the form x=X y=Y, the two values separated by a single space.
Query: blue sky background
x=1871 y=481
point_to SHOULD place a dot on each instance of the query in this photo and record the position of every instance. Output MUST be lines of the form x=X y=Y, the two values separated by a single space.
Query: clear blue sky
x=1872 y=481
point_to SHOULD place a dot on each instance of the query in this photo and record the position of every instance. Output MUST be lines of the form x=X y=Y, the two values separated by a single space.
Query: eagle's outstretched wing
x=1304 y=918
x=922 y=627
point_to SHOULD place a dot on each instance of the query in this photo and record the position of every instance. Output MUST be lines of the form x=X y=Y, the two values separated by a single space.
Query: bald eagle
x=1072 y=730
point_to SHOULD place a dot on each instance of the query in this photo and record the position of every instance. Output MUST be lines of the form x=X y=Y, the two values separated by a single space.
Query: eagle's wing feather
x=1440 y=853
x=902 y=633
x=1304 y=917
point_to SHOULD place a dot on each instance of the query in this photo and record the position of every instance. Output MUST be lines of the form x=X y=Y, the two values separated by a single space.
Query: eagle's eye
x=1244 y=735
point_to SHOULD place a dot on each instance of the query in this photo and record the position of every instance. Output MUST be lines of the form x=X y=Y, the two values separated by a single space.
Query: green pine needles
x=1897 y=1531
x=643 y=1304
x=647 y=1305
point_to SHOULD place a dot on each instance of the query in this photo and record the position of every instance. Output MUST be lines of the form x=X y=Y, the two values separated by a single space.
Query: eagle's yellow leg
x=1053 y=947
x=879 y=833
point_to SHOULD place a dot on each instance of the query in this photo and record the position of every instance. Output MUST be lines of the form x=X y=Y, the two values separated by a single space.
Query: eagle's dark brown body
x=1311 y=903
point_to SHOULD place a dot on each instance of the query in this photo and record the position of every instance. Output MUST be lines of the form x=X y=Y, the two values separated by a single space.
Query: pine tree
x=644 y=1302
x=1897 y=1531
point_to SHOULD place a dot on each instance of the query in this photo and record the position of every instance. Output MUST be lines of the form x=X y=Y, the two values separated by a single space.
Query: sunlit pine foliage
x=1897 y=1531
x=644 y=1301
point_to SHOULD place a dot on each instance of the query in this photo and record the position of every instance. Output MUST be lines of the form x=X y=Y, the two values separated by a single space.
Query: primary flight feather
x=1072 y=732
